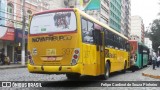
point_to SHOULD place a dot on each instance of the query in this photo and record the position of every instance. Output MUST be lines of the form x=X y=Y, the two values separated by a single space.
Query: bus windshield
x=53 y=22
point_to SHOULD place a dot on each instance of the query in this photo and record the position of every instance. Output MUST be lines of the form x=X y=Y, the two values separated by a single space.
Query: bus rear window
x=53 y=22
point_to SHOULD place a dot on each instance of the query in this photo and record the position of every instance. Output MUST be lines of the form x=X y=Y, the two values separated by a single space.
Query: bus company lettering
x=110 y=55
x=51 y=38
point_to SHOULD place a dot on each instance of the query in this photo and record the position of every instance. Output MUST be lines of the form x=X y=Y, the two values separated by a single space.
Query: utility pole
x=0 y=9
x=23 y=36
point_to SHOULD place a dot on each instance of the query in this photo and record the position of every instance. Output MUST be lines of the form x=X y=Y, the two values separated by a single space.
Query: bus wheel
x=133 y=70
x=125 y=66
x=73 y=76
x=107 y=71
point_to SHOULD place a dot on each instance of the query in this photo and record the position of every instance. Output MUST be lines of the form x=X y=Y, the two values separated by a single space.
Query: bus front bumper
x=53 y=69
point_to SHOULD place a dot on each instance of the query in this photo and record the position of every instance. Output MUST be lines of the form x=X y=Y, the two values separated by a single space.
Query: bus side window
x=87 y=28
x=140 y=50
x=120 y=42
x=123 y=44
x=106 y=38
x=97 y=34
x=127 y=46
x=116 y=41
x=84 y=27
x=90 y=28
x=112 y=39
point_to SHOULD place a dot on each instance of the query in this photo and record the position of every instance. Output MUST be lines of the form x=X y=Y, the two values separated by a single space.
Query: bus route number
x=67 y=51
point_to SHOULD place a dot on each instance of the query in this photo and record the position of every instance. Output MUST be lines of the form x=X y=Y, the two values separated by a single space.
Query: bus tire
x=133 y=70
x=125 y=66
x=73 y=76
x=107 y=71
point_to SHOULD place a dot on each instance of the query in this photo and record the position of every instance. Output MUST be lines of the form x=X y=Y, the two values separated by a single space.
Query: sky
x=147 y=9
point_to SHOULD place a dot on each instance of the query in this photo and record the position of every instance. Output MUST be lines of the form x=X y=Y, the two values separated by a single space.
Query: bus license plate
x=51 y=52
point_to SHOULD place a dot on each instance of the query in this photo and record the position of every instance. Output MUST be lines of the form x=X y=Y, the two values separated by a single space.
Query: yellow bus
x=68 y=41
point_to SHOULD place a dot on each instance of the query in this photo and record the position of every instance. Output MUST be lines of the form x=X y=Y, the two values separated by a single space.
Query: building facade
x=135 y=37
x=55 y=4
x=115 y=13
x=6 y=29
x=137 y=27
x=126 y=19
x=11 y=16
x=99 y=9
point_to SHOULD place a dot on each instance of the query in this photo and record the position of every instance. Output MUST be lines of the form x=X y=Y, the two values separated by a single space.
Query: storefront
x=18 y=44
x=7 y=41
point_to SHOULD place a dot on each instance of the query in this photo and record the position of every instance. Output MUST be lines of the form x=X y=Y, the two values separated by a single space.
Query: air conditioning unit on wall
x=66 y=3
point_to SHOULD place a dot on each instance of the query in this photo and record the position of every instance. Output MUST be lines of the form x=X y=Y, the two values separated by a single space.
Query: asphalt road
x=55 y=82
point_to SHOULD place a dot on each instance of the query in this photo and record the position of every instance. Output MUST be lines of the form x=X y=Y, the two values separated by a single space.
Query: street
x=21 y=74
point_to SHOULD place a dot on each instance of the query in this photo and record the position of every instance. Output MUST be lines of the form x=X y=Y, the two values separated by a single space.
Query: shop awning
x=6 y=33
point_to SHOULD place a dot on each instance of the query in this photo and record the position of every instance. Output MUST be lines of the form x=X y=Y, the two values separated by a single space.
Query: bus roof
x=102 y=24
x=140 y=43
x=85 y=15
x=49 y=11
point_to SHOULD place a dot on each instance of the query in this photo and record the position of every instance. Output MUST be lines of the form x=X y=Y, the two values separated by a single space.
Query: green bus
x=139 y=53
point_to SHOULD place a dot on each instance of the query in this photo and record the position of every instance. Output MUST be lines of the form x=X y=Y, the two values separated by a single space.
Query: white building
x=137 y=27
x=55 y=4
x=134 y=37
x=148 y=42
x=126 y=17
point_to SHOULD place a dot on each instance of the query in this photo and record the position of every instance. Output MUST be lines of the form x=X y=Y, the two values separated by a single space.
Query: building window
x=29 y=13
x=10 y=11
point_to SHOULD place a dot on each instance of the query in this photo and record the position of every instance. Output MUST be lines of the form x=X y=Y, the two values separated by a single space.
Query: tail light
x=30 y=58
x=75 y=56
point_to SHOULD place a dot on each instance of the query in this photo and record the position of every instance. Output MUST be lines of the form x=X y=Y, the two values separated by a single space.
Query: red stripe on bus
x=57 y=10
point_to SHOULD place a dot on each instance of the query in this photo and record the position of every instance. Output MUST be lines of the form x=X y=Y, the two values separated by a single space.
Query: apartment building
x=115 y=13
x=126 y=18
x=137 y=27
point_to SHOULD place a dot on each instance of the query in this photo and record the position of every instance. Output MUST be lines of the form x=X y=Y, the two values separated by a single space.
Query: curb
x=2 y=68
x=151 y=76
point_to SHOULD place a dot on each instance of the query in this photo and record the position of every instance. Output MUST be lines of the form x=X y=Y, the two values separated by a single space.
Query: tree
x=154 y=35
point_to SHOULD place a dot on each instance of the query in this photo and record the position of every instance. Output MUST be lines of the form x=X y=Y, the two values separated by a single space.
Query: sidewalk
x=152 y=73
x=11 y=66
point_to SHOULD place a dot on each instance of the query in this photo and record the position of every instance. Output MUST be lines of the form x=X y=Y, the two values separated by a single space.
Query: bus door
x=100 y=49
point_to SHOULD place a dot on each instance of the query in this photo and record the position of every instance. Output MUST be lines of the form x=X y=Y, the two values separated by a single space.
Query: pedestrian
x=154 y=59
x=2 y=56
x=158 y=61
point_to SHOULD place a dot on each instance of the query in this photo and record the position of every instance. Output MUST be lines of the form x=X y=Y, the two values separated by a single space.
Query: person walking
x=158 y=61
x=154 y=60
x=2 y=56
